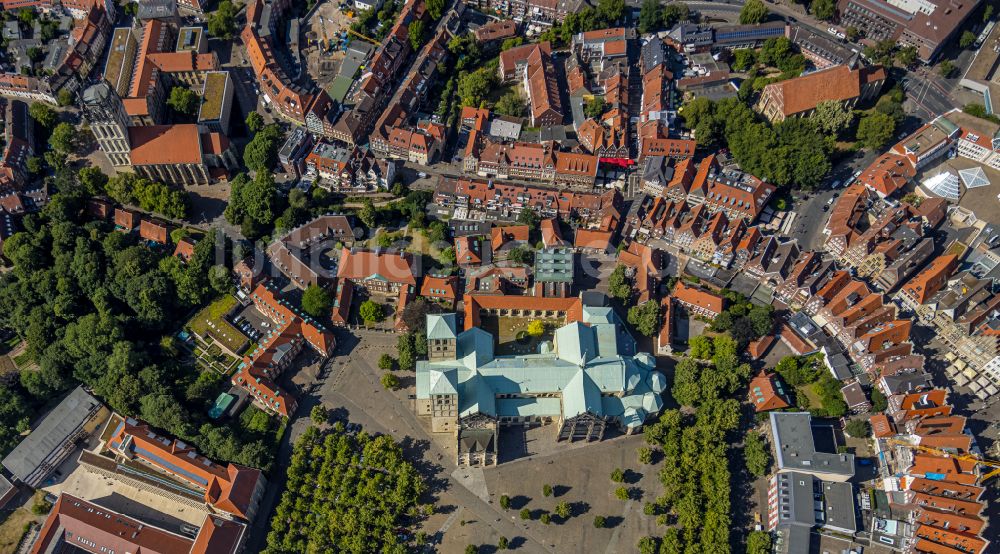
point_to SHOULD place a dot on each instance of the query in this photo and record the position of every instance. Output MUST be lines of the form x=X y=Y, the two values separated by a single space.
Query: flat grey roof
x=839 y=512
x=51 y=433
x=796 y=450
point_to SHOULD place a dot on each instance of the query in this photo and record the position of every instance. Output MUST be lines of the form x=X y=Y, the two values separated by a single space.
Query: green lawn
x=813 y=399
x=210 y=323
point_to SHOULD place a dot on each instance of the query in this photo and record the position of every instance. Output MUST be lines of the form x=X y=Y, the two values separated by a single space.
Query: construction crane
x=993 y=464
x=363 y=37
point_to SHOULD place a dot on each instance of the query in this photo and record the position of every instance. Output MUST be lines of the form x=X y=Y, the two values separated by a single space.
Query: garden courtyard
x=512 y=335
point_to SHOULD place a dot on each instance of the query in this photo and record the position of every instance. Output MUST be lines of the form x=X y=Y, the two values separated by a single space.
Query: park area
x=210 y=324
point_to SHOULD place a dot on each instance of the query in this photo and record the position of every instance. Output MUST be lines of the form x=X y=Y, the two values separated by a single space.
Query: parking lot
x=252 y=323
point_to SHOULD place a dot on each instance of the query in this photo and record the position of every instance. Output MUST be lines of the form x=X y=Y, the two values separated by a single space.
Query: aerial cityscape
x=470 y=276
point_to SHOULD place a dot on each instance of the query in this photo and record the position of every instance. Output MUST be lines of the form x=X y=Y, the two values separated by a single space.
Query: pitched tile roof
x=362 y=264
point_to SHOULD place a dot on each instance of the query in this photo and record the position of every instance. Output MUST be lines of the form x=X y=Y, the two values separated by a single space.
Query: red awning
x=620 y=162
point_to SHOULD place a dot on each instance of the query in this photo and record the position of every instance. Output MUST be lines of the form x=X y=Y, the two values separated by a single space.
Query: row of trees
x=606 y=14
x=695 y=475
x=346 y=493
x=792 y=152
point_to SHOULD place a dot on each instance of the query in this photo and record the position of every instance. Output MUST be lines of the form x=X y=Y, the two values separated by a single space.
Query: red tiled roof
x=882 y=427
x=501 y=235
x=184 y=249
x=764 y=395
x=598 y=240
x=165 y=144
x=697 y=297
x=474 y=303
x=440 y=286
x=74 y=520
x=362 y=264
x=804 y=93
x=229 y=488
x=930 y=279
x=153 y=230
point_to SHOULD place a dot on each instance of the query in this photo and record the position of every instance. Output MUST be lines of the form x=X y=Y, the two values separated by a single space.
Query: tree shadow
x=632 y=477
x=579 y=508
x=559 y=490
x=610 y=522
x=519 y=501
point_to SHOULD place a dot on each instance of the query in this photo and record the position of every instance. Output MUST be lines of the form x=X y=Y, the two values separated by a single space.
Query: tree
x=435 y=8
x=35 y=54
x=222 y=22
x=546 y=490
x=525 y=514
x=966 y=40
x=183 y=100
x=645 y=317
x=471 y=549
x=600 y=522
x=63 y=138
x=756 y=454
x=876 y=130
x=858 y=428
x=946 y=68
x=852 y=33
x=650 y=16
x=505 y=502
x=371 y=312
x=645 y=455
x=618 y=476
x=744 y=59
x=610 y=11
x=512 y=42
x=647 y=545
x=536 y=328
x=987 y=13
x=503 y=543
x=367 y=213
x=906 y=56
x=416 y=34
x=318 y=414
x=618 y=284
x=595 y=108
x=34 y=165
x=65 y=97
x=93 y=180
x=563 y=510
x=406 y=346
x=753 y=12
x=759 y=542
x=700 y=347
x=261 y=153
x=674 y=13
x=530 y=218
x=474 y=87
x=255 y=122
x=510 y=104
x=832 y=117
x=316 y=301
x=622 y=493
x=43 y=114
x=389 y=381
x=520 y=255
x=386 y=362
x=823 y=9
x=545 y=518
x=879 y=402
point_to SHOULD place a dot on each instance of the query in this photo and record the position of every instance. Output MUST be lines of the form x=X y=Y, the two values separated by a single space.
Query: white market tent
x=973 y=177
x=945 y=185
